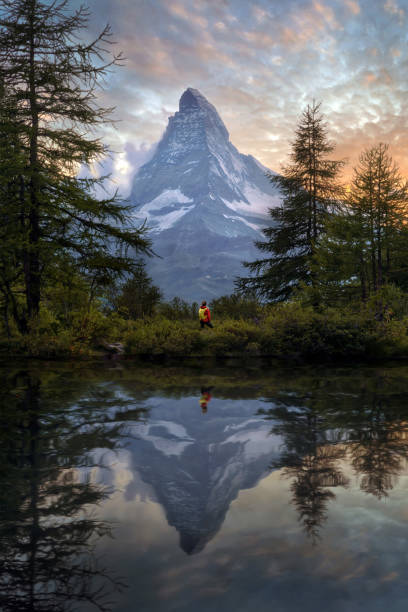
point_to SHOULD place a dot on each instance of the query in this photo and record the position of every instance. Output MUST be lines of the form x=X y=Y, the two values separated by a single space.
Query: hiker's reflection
x=205 y=398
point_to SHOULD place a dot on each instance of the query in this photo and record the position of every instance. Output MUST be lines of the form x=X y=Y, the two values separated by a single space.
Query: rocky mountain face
x=204 y=202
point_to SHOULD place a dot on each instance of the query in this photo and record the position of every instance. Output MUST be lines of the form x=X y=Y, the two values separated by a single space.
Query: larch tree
x=51 y=74
x=310 y=188
x=366 y=243
x=379 y=199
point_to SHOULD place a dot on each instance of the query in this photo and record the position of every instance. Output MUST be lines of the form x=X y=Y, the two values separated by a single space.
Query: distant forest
x=331 y=278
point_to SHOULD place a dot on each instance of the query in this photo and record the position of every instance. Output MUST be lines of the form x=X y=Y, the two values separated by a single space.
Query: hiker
x=204 y=315
x=205 y=398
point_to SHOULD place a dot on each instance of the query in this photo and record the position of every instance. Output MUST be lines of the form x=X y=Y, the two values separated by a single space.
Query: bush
x=46 y=338
x=236 y=307
x=293 y=331
x=159 y=336
x=230 y=336
x=178 y=310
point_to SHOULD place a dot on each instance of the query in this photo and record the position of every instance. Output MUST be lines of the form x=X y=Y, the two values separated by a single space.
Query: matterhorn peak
x=196 y=112
x=204 y=202
x=192 y=98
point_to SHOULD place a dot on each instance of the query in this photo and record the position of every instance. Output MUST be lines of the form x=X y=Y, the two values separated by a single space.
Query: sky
x=260 y=62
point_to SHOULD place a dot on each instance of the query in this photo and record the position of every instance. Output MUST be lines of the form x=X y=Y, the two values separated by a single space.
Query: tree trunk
x=363 y=281
x=32 y=263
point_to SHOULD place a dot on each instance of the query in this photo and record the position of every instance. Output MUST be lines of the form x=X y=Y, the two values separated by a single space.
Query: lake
x=134 y=487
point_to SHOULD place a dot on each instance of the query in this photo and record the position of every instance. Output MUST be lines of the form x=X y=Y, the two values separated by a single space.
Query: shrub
x=46 y=338
x=178 y=310
x=230 y=336
x=236 y=306
x=160 y=336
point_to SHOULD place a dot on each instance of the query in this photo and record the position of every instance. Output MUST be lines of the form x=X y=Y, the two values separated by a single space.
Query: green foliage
x=231 y=336
x=365 y=246
x=160 y=336
x=297 y=331
x=379 y=201
x=137 y=297
x=46 y=338
x=66 y=295
x=290 y=331
x=390 y=302
x=236 y=306
x=364 y=250
x=178 y=310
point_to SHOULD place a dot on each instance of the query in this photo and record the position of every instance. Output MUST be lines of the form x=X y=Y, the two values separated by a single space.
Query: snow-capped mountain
x=204 y=202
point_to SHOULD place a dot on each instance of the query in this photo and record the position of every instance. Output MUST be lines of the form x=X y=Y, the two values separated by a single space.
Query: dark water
x=134 y=488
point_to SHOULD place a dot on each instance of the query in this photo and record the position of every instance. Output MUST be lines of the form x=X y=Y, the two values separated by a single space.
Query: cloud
x=119 y=169
x=391 y=6
x=260 y=63
x=353 y=6
x=328 y=15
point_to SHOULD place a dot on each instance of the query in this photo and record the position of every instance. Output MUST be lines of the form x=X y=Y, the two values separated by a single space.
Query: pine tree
x=51 y=78
x=366 y=244
x=310 y=188
x=137 y=297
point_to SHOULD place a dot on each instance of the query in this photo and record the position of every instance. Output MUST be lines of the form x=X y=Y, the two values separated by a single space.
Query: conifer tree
x=51 y=77
x=137 y=297
x=367 y=243
x=379 y=199
x=310 y=188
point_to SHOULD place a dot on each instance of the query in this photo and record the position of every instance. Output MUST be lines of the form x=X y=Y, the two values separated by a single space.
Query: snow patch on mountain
x=260 y=201
x=166 y=198
x=257 y=228
x=157 y=214
x=167 y=221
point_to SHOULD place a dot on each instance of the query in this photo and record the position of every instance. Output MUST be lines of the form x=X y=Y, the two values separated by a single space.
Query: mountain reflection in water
x=82 y=449
x=197 y=466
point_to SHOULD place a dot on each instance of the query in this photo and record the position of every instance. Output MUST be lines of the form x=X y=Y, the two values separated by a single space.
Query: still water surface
x=135 y=488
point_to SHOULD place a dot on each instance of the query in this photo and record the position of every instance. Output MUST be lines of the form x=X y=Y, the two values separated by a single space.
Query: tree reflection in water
x=309 y=459
x=323 y=430
x=47 y=527
x=379 y=446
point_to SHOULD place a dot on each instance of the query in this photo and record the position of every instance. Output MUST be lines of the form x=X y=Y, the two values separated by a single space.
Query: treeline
x=293 y=331
x=331 y=279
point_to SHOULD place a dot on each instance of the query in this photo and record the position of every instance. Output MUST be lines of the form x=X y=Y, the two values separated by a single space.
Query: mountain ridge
x=204 y=202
